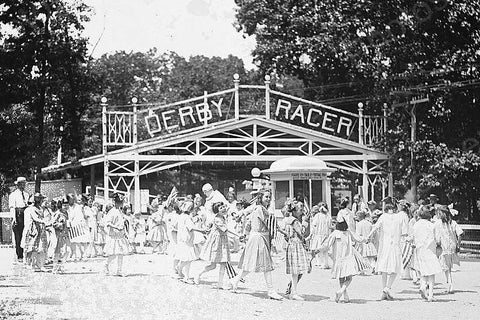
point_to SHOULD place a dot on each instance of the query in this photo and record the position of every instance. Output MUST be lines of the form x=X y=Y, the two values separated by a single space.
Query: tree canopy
x=43 y=76
x=386 y=51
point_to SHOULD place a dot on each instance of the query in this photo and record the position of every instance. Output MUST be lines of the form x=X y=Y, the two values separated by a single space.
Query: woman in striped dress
x=256 y=254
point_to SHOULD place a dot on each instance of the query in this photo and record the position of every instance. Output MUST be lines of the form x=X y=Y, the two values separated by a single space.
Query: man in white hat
x=212 y=196
x=17 y=202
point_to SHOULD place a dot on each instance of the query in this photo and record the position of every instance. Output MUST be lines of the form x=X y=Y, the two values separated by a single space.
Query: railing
x=470 y=245
x=121 y=127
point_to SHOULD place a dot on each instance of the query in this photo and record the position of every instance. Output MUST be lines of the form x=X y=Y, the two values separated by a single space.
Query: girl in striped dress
x=297 y=262
x=320 y=231
x=216 y=250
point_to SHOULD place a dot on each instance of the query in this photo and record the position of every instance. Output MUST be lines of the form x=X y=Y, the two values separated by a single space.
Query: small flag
x=407 y=253
x=172 y=197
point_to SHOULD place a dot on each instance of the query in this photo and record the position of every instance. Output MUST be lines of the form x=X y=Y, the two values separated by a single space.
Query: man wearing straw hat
x=17 y=202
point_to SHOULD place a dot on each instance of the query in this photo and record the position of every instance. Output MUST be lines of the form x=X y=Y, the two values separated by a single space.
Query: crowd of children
x=399 y=240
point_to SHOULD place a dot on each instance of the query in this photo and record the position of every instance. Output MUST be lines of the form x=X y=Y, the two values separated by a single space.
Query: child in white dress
x=448 y=236
x=391 y=228
x=100 y=235
x=116 y=243
x=366 y=249
x=425 y=247
x=346 y=261
x=185 y=251
x=157 y=233
x=140 y=232
x=320 y=230
x=347 y=214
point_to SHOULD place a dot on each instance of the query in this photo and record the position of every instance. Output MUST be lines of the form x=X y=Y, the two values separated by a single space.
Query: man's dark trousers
x=18 y=231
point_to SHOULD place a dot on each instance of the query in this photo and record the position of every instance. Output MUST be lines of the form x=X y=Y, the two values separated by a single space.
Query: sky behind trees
x=187 y=27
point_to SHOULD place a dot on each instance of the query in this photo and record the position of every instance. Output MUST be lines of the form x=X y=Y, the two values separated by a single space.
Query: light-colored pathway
x=149 y=292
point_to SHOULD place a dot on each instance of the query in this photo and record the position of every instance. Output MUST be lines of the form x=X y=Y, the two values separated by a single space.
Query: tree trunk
x=40 y=155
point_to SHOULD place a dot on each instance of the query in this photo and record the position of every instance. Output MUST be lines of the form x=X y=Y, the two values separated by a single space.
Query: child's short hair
x=444 y=214
x=216 y=207
x=361 y=214
x=342 y=225
x=344 y=203
x=425 y=212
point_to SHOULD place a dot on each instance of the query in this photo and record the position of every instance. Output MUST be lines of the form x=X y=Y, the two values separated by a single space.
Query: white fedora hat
x=20 y=179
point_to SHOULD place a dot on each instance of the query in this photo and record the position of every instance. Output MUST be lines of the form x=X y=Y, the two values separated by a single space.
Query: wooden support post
x=328 y=195
x=104 y=149
x=385 y=119
x=236 y=82
x=206 y=107
x=136 y=164
x=360 y=124
x=267 y=96
x=413 y=133
x=310 y=195
x=365 y=180
x=92 y=181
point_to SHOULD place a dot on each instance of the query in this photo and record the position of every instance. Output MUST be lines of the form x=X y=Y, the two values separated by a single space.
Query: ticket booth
x=307 y=177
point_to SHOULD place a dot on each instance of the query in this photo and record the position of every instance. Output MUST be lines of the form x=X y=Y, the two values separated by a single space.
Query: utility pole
x=413 y=138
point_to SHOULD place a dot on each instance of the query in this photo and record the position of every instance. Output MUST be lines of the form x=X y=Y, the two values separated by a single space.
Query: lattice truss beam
x=121 y=172
x=253 y=140
x=373 y=167
x=119 y=128
x=376 y=172
x=244 y=140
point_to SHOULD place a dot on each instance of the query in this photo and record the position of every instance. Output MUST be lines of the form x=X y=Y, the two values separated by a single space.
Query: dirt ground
x=149 y=292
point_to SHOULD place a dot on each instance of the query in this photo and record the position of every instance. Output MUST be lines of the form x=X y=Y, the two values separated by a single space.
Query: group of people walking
x=415 y=241
x=52 y=231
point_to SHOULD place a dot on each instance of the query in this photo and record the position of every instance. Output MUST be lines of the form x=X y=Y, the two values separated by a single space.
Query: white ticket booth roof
x=308 y=176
